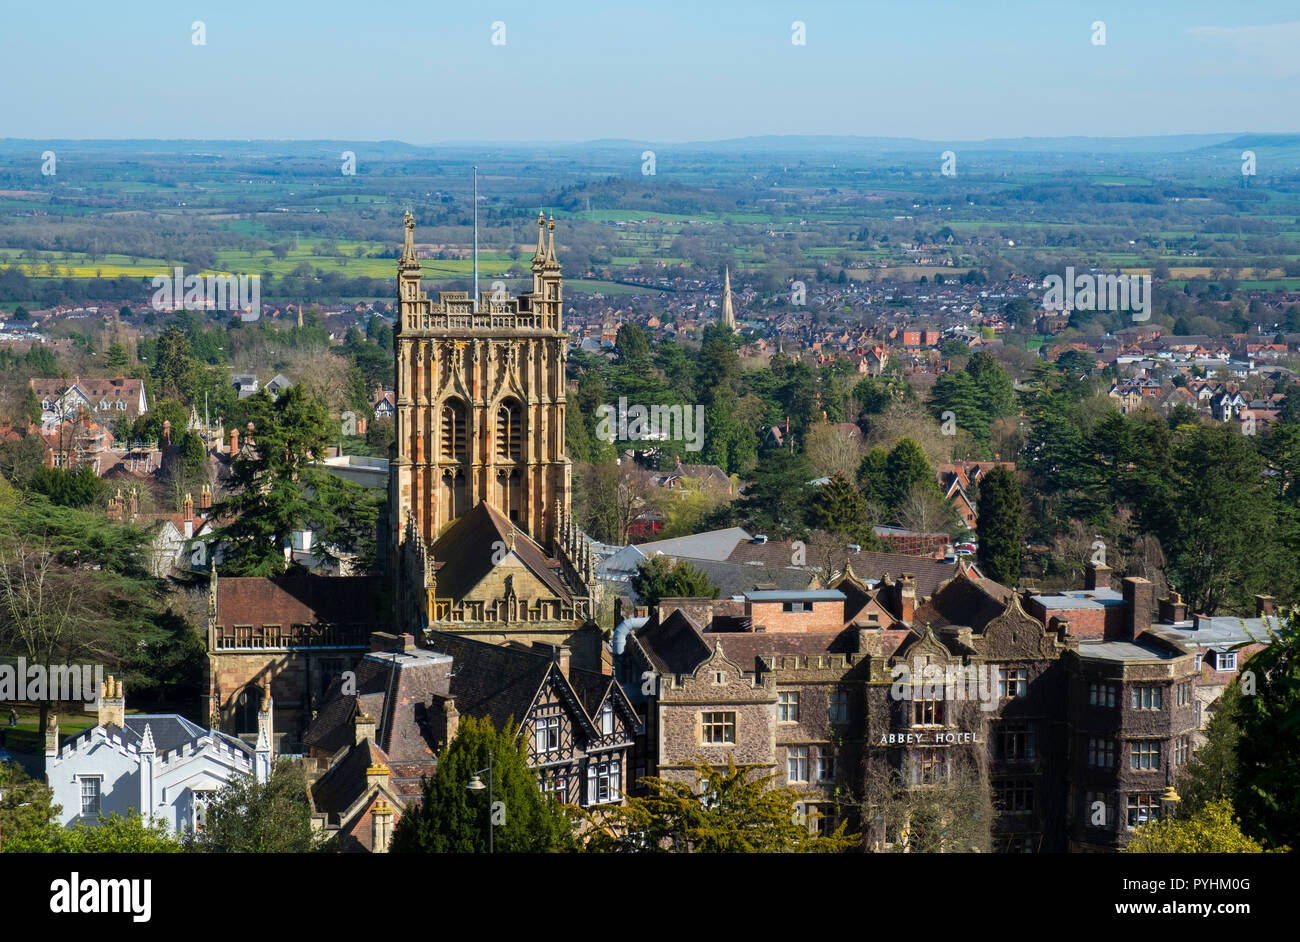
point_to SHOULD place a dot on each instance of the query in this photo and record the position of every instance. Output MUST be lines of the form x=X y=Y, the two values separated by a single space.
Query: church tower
x=728 y=316
x=480 y=401
x=483 y=544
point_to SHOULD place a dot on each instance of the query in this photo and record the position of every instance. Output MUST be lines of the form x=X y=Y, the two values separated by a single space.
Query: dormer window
x=607 y=719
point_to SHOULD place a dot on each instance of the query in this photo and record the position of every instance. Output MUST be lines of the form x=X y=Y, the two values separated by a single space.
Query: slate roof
x=415 y=678
x=492 y=680
x=345 y=781
x=170 y=732
x=465 y=551
x=713 y=544
x=930 y=573
x=673 y=646
x=740 y=578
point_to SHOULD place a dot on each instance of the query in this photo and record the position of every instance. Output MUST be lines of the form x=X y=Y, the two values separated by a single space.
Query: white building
x=160 y=765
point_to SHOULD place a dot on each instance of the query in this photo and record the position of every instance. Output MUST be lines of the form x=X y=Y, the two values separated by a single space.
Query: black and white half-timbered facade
x=578 y=726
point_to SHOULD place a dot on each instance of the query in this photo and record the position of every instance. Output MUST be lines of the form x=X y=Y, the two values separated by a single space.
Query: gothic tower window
x=509 y=439
x=452 y=442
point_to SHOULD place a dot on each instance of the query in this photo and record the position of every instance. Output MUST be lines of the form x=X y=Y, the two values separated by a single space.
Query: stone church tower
x=480 y=401
x=479 y=482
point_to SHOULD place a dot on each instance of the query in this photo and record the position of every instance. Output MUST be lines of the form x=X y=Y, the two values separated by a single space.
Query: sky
x=646 y=70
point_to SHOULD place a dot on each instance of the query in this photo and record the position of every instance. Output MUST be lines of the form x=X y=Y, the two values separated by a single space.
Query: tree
x=923 y=509
x=80 y=487
x=1211 y=772
x=905 y=468
x=1214 y=829
x=172 y=365
x=725 y=811
x=276 y=487
x=838 y=508
x=831 y=449
x=252 y=817
x=24 y=803
x=1000 y=527
x=112 y=835
x=73 y=587
x=1267 y=792
x=1222 y=525
x=659 y=577
x=454 y=819
x=631 y=347
x=30 y=411
x=115 y=358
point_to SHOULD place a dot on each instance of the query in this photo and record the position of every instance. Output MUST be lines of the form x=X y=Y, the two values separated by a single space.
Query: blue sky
x=656 y=70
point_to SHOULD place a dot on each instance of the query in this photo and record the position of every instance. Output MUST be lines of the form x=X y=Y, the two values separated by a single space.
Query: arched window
x=452 y=441
x=510 y=439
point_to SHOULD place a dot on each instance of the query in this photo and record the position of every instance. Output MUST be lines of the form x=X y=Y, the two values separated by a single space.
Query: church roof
x=465 y=552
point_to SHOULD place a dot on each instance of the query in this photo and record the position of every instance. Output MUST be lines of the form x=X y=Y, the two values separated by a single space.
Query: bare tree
x=924 y=510
x=43 y=608
x=831 y=448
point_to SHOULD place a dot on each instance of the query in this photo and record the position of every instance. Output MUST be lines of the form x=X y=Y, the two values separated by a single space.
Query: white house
x=161 y=765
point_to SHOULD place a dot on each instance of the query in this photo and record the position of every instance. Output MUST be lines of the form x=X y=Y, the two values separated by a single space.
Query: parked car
x=965 y=549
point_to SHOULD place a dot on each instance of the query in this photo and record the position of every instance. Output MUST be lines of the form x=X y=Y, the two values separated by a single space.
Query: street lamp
x=476 y=785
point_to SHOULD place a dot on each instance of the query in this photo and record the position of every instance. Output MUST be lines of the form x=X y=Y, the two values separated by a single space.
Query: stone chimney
x=205 y=497
x=907 y=597
x=1096 y=576
x=52 y=737
x=135 y=503
x=377 y=775
x=234 y=442
x=1139 y=599
x=1265 y=605
x=1173 y=609
x=364 y=726
x=451 y=718
x=167 y=432
x=381 y=826
x=112 y=703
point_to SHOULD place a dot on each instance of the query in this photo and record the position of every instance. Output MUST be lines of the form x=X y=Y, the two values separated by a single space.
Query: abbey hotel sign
x=949 y=683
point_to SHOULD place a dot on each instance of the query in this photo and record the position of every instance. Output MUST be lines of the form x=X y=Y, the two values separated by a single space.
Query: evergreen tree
x=659 y=577
x=452 y=818
x=1211 y=772
x=251 y=817
x=1267 y=792
x=277 y=488
x=115 y=358
x=838 y=508
x=906 y=467
x=1000 y=527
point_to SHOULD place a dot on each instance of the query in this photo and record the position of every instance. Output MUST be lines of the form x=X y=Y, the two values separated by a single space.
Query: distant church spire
x=728 y=313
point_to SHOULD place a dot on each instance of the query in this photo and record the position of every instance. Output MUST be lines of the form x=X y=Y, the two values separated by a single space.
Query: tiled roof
x=300 y=600
x=345 y=781
x=466 y=553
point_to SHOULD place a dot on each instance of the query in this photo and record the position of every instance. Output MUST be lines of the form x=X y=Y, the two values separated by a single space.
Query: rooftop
x=798 y=595
x=1124 y=651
